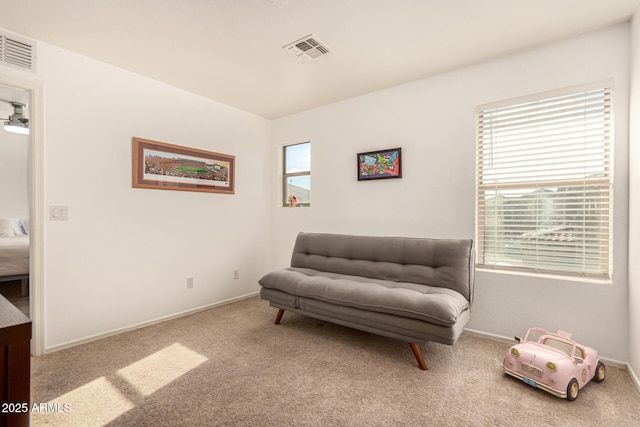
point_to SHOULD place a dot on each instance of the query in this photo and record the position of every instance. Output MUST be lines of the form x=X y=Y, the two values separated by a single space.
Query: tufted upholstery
x=443 y=263
x=417 y=290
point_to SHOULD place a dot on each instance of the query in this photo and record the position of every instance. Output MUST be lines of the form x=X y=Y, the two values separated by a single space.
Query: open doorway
x=15 y=191
x=25 y=185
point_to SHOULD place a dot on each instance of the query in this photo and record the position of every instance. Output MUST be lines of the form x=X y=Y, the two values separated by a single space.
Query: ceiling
x=231 y=50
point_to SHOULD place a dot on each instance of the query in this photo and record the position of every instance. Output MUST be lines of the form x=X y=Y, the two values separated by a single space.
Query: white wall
x=123 y=257
x=634 y=204
x=14 y=152
x=433 y=120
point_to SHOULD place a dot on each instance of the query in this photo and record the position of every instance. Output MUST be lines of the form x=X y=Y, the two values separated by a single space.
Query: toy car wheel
x=573 y=389
x=601 y=372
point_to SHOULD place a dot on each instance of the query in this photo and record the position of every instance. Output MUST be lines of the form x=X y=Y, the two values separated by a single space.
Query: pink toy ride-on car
x=553 y=362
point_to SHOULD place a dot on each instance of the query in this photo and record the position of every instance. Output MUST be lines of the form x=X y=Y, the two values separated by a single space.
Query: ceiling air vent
x=17 y=52
x=307 y=48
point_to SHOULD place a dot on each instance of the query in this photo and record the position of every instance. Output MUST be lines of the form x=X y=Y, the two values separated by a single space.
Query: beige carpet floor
x=231 y=366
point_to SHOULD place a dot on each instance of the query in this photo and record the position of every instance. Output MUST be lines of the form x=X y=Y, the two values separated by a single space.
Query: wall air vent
x=17 y=52
x=307 y=48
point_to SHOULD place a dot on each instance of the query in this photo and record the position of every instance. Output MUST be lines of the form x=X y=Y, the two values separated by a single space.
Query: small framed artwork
x=165 y=166
x=380 y=164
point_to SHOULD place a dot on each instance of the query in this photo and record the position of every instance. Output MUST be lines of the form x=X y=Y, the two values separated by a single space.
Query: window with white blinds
x=544 y=183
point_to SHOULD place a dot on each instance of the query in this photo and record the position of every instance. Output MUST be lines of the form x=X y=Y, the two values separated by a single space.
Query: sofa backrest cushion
x=445 y=263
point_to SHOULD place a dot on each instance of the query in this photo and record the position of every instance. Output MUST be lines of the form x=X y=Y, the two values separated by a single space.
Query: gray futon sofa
x=412 y=289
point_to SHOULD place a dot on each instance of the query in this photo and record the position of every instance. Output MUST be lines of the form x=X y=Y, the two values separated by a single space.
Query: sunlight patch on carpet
x=159 y=369
x=107 y=398
x=94 y=404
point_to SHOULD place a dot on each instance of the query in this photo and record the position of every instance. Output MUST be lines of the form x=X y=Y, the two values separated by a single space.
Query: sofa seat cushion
x=437 y=305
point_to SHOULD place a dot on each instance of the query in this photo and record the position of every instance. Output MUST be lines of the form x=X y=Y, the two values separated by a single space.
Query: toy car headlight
x=551 y=366
x=515 y=352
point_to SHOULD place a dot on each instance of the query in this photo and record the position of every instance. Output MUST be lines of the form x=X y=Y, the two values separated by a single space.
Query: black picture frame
x=380 y=164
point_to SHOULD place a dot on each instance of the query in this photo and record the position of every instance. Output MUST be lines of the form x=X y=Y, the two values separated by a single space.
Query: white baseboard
x=610 y=362
x=634 y=377
x=144 y=324
x=491 y=336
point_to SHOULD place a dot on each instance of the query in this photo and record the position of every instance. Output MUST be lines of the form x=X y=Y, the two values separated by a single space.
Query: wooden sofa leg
x=418 y=354
x=279 y=316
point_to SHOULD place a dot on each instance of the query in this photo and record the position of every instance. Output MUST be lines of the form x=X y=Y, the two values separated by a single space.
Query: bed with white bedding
x=14 y=251
x=14 y=256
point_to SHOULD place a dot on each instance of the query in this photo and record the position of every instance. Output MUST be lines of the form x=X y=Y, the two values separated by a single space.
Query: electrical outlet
x=236 y=274
x=189 y=282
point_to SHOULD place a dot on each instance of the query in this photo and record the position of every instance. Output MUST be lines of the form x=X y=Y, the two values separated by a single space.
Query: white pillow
x=6 y=228
x=24 y=224
x=17 y=227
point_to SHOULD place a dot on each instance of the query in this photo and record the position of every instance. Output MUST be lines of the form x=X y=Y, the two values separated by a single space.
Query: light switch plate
x=59 y=213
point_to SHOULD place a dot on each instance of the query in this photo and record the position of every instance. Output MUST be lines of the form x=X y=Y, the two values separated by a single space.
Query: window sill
x=547 y=276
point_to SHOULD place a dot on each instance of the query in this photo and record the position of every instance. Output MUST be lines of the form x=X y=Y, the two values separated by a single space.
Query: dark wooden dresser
x=15 y=365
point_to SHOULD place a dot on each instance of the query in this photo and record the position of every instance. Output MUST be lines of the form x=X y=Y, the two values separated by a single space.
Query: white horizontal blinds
x=544 y=184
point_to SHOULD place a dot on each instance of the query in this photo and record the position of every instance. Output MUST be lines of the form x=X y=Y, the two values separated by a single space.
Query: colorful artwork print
x=380 y=164
x=172 y=167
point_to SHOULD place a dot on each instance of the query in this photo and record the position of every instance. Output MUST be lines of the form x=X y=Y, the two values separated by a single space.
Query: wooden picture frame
x=163 y=166
x=380 y=164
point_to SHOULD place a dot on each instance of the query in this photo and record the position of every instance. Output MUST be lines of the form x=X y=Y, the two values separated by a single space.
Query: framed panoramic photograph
x=165 y=166
x=380 y=164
